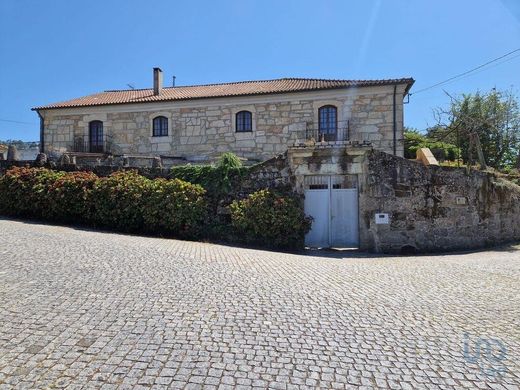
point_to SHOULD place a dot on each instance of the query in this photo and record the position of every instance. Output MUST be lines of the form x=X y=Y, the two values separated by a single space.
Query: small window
x=244 y=121
x=318 y=186
x=160 y=126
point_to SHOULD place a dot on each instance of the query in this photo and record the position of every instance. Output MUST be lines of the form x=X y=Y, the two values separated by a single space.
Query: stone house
x=337 y=142
x=324 y=128
x=254 y=119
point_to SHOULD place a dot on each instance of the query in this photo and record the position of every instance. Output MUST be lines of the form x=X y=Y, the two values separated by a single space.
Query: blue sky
x=59 y=49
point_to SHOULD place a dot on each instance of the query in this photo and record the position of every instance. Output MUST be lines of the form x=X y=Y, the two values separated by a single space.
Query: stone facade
x=204 y=128
x=434 y=208
x=430 y=208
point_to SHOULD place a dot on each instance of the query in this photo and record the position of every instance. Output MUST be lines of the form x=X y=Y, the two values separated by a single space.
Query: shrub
x=413 y=140
x=123 y=201
x=174 y=206
x=126 y=201
x=203 y=175
x=70 y=197
x=228 y=161
x=24 y=191
x=270 y=218
x=228 y=167
x=117 y=200
x=218 y=180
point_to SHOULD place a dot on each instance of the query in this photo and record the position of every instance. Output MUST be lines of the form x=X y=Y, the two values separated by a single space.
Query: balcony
x=338 y=132
x=313 y=135
x=99 y=145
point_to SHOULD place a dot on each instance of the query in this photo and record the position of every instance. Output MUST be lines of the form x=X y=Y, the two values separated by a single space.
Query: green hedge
x=271 y=219
x=127 y=201
x=124 y=201
x=25 y=192
x=174 y=206
x=118 y=201
x=69 y=197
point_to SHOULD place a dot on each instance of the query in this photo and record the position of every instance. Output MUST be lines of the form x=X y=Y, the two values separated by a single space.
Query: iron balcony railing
x=333 y=132
x=94 y=145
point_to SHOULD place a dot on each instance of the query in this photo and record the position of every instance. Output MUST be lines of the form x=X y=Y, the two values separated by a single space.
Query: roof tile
x=242 y=88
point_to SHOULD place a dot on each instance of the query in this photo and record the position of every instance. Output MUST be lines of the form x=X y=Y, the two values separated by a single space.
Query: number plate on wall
x=382 y=219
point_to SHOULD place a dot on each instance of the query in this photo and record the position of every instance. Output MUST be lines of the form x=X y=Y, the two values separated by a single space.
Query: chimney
x=157 y=81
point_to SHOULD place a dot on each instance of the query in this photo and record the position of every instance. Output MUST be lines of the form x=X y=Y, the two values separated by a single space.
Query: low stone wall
x=434 y=208
x=272 y=173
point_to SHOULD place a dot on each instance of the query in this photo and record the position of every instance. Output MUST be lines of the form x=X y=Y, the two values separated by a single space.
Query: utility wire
x=23 y=123
x=465 y=73
x=484 y=69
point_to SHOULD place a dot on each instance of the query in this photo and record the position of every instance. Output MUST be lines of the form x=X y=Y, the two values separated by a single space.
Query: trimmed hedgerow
x=24 y=191
x=271 y=219
x=174 y=206
x=123 y=201
x=70 y=197
x=127 y=201
x=117 y=201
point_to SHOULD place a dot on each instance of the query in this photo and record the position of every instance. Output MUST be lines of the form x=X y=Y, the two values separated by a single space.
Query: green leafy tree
x=493 y=116
x=414 y=140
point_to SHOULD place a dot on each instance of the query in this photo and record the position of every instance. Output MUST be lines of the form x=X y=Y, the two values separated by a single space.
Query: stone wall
x=272 y=173
x=434 y=208
x=205 y=128
x=430 y=208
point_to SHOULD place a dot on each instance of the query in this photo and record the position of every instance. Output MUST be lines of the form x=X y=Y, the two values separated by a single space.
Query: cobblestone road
x=82 y=309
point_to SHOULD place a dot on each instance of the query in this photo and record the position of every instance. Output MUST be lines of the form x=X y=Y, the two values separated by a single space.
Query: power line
x=484 y=69
x=12 y=121
x=467 y=72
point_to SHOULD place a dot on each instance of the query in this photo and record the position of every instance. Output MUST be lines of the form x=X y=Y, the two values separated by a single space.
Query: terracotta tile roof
x=243 y=88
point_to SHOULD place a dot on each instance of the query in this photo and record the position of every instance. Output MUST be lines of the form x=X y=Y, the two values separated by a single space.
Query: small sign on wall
x=382 y=219
x=460 y=200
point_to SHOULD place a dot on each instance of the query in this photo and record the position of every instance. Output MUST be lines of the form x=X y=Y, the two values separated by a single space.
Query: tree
x=414 y=140
x=494 y=117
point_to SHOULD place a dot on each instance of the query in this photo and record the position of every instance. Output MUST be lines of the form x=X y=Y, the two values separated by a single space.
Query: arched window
x=95 y=136
x=328 y=122
x=244 y=121
x=160 y=126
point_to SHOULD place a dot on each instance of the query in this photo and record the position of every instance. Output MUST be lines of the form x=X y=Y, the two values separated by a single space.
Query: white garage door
x=332 y=201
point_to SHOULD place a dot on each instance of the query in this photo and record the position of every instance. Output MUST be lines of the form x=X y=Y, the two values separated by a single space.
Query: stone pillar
x=157 y=163
x=13 y=154
x=109 y=160
x=41 y=159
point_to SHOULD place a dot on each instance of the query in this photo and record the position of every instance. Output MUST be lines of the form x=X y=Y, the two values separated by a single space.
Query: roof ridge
x=127 y=90
x=349 y=80
x=265 y=81
x=203 y=85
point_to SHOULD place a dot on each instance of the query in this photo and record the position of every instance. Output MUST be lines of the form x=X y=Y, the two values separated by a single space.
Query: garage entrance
x=333 y=203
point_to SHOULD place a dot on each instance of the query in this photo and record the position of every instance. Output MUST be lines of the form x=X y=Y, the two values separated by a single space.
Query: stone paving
x=84 y=309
